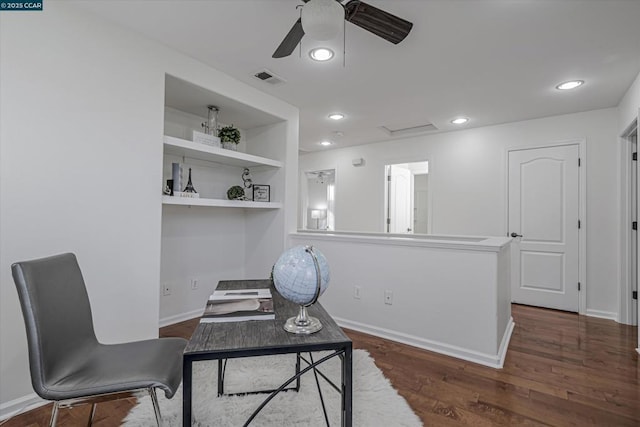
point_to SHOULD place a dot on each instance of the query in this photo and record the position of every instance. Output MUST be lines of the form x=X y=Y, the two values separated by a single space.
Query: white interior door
x=400 y=200
x=420 y=204
x=544 y=209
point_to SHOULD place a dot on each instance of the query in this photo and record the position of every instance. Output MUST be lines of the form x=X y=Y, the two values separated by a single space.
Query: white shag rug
x=375 y=401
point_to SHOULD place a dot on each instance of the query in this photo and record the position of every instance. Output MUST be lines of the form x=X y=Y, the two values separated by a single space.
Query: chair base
x=94 y=400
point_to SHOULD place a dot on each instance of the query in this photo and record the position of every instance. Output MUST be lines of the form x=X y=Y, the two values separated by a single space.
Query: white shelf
x=182 y=147
x=187 y=201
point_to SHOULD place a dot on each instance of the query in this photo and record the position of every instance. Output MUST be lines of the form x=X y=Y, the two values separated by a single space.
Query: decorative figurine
x=246 y=177
x=189 y=188
x=168 y=189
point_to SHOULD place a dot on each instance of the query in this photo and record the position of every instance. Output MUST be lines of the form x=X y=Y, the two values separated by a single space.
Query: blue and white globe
x=294 y=274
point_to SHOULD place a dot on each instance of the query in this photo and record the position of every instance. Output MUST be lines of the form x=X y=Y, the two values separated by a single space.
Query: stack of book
x=239 y=305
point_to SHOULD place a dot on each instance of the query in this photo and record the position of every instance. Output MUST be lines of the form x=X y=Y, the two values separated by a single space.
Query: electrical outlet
x=388 y=297
x=356 y=292
x=166 y=289
x=194 y=284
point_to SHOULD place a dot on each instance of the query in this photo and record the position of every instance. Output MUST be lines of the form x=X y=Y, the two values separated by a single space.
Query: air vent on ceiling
x=408 y=130
x=268 y=76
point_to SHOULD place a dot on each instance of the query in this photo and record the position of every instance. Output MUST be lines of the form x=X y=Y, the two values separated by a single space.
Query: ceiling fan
x=322 y=19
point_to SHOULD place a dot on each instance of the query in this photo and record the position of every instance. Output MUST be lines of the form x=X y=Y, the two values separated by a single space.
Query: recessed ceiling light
x=460 y=121
x=325 y=143
x=572 y=84
x=336 y=116
x=321 y=54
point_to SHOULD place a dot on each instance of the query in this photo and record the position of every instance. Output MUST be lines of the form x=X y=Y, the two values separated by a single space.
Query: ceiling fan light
x=322 y=19
x=321 y=54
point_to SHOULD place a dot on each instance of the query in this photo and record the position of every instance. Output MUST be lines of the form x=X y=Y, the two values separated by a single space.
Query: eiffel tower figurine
x=189 y=188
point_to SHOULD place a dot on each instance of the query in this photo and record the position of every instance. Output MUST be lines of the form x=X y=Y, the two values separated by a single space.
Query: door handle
x=514 y=235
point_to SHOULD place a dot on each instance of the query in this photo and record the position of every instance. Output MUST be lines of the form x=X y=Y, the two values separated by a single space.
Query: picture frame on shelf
x=261 y=193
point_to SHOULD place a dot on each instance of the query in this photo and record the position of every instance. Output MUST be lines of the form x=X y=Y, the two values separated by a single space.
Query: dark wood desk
x=217 y=341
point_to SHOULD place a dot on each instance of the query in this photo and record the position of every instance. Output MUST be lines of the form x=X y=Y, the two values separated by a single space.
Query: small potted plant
x=230 y=137
x=236 y=193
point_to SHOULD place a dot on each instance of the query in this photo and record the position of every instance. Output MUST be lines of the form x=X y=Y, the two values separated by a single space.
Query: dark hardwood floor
x=561 y=370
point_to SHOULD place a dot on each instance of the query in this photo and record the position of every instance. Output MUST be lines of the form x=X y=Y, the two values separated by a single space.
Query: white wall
x=467 y=183
x=81 y=124
x=436 y=305
x=629 y=107
x=190 y=248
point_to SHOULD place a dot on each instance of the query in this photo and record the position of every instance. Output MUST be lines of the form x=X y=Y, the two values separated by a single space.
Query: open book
x=239 y=306
x=236 y=294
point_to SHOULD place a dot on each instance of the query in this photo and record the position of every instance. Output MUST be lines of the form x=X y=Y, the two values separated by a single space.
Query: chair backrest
x=57 y=315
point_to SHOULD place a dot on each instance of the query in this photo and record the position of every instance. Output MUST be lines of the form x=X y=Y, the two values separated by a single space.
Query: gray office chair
x=68 y=364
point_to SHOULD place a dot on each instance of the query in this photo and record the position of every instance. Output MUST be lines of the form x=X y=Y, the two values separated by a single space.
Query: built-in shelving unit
x=194 y=150
x=187 y=201
x=211 y=238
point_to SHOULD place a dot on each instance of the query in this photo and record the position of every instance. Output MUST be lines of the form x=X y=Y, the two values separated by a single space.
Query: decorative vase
x=229 y=146
x=211 y=127
x=210 y=135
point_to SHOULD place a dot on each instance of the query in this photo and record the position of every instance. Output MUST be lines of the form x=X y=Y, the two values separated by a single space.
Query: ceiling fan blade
x=290 y=41
x=377 y=21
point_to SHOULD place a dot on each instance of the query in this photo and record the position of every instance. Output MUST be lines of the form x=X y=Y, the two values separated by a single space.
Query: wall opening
x=319 y=212
x=406 y=198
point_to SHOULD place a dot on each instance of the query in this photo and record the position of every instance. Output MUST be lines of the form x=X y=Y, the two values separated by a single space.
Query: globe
x=301 y=275
x=295 y=275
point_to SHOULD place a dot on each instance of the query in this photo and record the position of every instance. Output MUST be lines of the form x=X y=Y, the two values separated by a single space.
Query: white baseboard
x=493 y=361
x=610 y=315
x=177 y=318
x=506 y=338
x=19 y=405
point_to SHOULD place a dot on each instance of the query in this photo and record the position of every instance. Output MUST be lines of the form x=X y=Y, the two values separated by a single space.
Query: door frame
x=625 y=301
x=582 y=209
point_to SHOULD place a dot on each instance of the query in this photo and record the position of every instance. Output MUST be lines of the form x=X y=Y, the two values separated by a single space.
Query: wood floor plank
x=583 y=415
x=618 y=405
x=579 y=378
x=561 y=369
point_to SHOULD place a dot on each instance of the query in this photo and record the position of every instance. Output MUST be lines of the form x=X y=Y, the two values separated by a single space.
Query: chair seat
x=120 y=367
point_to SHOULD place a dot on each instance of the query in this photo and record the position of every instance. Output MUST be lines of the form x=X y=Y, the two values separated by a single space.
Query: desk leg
x=221 y=377
x=186 y=392
x=297 y=372
x=347 y=390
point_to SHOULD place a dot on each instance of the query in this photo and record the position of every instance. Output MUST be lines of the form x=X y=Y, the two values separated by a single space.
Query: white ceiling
x=492 y=61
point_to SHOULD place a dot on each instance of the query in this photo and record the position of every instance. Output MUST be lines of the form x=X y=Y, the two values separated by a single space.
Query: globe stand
x=302 y=323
